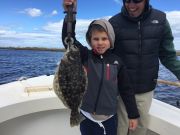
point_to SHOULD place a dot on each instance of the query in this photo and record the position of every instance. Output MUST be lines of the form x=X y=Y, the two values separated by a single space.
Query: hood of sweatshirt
x=107 y=27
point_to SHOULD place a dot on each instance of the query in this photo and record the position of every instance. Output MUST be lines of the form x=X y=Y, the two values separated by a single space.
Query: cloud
x=33 y=12
x=16 y=39
x=174 y=20
x=53 y=27
x=49 y=35
x=81 y=28
x=2 y=32
x=118 y=1
x=54 y=12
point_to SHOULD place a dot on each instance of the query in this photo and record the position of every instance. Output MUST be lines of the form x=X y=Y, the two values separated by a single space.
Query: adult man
x=143 y=36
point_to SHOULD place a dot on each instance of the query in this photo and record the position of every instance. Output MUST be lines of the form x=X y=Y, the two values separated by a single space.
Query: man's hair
x=92 y=28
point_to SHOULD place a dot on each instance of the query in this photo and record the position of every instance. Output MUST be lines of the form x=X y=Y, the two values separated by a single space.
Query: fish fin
x=74 y=118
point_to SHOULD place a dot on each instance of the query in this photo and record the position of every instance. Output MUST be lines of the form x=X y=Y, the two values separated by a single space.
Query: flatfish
x=70 y=82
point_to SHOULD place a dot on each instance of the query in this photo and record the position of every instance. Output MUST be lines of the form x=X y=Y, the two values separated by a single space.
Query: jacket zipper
x=100 y=85
x=140 y=51
x=140 y=36
x=107 y=72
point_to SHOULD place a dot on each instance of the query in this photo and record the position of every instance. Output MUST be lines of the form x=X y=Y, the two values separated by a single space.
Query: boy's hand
x=133 y=124
x=68 y=3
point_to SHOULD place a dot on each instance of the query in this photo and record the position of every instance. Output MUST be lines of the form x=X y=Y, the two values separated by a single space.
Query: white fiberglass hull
x=42 y=113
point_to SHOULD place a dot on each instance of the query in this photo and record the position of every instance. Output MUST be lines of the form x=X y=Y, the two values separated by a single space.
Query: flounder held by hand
x=70 y=82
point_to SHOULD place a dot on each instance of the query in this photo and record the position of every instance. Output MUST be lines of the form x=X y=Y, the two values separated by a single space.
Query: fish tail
x=74 y=118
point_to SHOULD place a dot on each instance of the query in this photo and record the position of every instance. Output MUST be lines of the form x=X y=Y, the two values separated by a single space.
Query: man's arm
x=167 y=53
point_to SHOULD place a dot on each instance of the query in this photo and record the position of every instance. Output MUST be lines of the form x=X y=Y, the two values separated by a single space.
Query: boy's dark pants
x=88 y=127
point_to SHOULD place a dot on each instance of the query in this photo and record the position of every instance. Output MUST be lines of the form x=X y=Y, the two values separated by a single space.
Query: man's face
x=135 y=9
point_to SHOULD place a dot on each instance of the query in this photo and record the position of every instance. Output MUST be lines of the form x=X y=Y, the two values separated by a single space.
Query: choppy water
x=16 y=64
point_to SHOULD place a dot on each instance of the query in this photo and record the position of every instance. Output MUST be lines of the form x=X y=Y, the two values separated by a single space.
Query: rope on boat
x=177 y=84
x=168 y=82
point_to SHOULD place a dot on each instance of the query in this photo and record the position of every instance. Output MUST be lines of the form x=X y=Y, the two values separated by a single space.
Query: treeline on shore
x=48 y=49
x=35 y=49
x=178 y=52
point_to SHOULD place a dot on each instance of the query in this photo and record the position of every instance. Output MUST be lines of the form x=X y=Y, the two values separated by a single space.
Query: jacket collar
x=109 y=51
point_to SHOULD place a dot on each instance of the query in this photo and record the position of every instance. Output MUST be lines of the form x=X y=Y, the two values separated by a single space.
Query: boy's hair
x=101 y=25
x=92 y=28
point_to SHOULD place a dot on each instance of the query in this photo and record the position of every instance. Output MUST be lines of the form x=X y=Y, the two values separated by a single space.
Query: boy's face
x=100 y=41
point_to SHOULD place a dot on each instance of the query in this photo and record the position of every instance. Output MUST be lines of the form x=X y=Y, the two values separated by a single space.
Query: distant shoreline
x=35 y=49
x=178 y=52
x=49 y=49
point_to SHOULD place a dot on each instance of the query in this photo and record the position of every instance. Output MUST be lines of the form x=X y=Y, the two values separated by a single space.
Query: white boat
x=30 y=107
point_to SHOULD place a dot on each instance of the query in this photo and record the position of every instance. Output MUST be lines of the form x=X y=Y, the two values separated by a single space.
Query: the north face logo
x=116 y=62
x=155 y=21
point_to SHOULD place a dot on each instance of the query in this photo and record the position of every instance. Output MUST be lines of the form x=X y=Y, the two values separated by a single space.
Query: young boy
x=107 y=77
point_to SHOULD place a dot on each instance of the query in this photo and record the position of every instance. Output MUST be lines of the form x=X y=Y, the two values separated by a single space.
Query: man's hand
x=133 y=124
x=68 y=3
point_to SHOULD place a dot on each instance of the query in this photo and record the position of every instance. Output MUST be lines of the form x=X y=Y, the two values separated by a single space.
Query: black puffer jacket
x=107 y=77
x=140 y=42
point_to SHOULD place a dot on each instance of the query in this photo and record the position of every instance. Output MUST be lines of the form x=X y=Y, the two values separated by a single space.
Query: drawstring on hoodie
x=101 y=125
x=88 y=116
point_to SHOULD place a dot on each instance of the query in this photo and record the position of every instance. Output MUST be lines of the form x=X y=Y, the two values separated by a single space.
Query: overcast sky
x=38 y=23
